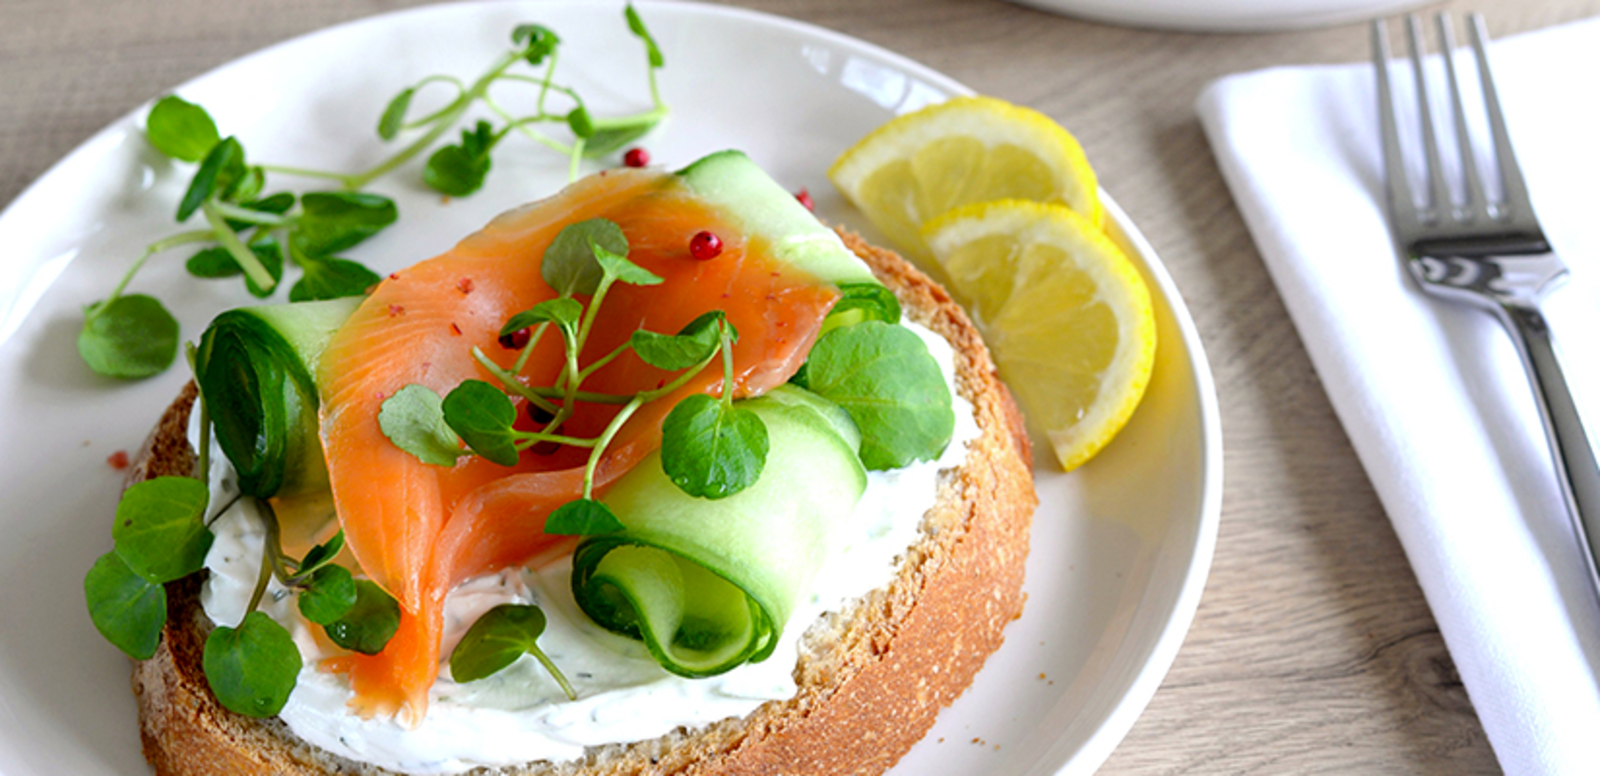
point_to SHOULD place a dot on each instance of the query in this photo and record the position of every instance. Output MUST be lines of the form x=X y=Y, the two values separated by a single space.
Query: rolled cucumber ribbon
x=709 y=585
x=256 y=368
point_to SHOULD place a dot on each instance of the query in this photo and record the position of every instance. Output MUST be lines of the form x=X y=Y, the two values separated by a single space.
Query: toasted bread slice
x=871 y=678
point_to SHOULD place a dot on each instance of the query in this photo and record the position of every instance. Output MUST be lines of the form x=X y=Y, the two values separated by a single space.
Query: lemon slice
x=969 y=149
x=1065 y=312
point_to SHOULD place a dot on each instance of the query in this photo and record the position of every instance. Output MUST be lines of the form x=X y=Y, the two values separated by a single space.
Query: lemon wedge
x=1066 y=314
x=969 y=149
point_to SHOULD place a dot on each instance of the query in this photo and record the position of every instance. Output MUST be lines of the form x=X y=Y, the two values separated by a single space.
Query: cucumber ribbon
x=256 y=367
x=708 y=585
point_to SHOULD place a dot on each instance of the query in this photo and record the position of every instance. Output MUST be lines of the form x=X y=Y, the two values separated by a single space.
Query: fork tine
x=1401 y=203
x=1439 y=188
x=1476 y=199
x=1516 y=192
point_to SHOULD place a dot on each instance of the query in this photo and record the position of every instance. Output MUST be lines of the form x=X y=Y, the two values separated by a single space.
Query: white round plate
x=1225 y=15
x=1120 y=548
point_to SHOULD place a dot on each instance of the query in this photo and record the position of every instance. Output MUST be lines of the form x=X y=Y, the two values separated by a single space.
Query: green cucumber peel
x=257 y=365
x=738 y=565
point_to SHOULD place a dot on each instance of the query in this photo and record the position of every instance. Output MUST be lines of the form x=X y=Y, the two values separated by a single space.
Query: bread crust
x=871 y=679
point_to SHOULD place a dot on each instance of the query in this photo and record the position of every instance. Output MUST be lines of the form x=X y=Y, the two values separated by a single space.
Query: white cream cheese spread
x=520 y=714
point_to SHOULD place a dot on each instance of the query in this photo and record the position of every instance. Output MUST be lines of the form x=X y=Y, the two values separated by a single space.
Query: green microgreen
x=569 y=265
x=710 y=449
x=334 y=221
x=180 y=129
x=128 y=336
x=694 y=343
x=252 y=668
x=258 y=237
x=331 y=278
x=322 y=554
x=329 y=595
x=562 y=311
x=160 y=530
x=727 y=445
x=483 y=415
x=413 y=419
x=370 y=622
x=497 y=639
x=582 y=517
x=127 y=609
x=219 y=171
x=884 y=377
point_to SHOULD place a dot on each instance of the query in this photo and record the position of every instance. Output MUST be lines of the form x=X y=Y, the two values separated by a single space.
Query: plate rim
x=1157 y=661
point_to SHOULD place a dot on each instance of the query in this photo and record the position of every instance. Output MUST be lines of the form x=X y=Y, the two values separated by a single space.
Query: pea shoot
x=246 y=233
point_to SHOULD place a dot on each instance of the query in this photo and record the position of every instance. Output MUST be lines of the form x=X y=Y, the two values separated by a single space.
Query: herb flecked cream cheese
x=520 y=714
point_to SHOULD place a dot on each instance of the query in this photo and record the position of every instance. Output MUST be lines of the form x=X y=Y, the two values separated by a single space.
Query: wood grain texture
x=1313 y=650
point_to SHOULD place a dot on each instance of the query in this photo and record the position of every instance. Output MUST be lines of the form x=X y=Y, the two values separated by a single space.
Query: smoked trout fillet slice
x=418 y=529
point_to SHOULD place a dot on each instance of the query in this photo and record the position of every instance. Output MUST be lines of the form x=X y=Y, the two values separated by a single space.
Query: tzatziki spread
x=520 y=714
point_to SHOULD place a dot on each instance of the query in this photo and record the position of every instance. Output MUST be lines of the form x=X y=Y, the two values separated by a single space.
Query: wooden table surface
x=1313 y=650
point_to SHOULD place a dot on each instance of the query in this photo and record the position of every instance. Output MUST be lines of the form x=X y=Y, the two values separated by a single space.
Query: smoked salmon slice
x=417 y=529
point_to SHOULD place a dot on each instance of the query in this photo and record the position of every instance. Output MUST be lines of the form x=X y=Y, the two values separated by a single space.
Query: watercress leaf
x=561 y=311
x=884 y=377
x=160 y=530
x=329 y=595
x=322 y=553
x=569 y=264
x=582 y=517
x=611 y=140
x=695 y=343
x=181 y=129
x=712 y=450
x=333 y=221
x=277 y=204
x=331 y=278
x=482 y=415
x=537 y=41
x=217 y=262
x=127 y=609
x=479 y=140
x=394 y=115
x=413 y=419
x=636 y=26
x=864 y=302
x=222 y=167
x=456 y=171
x=247 y=187
x=369 y=624
x=252 y=668
x=618 y=266
x=496 y=640
x=579 y=121
x=130 y=336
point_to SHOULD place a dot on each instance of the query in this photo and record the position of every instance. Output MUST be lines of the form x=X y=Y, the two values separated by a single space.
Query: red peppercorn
x=118 y=460
x=516 y=340
x=805 y=199
x=636 y=157
x=705 y=246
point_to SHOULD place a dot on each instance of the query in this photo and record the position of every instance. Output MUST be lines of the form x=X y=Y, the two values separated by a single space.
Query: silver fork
x=1490 y=254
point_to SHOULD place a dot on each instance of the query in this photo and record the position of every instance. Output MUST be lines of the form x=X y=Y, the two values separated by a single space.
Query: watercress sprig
x=717 y=448
x=135 y=336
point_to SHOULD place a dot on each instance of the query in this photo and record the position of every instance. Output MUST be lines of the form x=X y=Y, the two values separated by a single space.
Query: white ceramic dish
x=1225 y=15
x=1121 y=547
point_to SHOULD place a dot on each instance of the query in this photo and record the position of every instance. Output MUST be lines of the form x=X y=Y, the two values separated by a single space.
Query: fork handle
x=1569 y=441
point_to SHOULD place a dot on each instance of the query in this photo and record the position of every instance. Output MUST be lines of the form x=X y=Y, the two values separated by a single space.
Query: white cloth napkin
x=1432 y=395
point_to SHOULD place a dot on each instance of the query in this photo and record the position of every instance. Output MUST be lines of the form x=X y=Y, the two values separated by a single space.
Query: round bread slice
x=871 y=678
